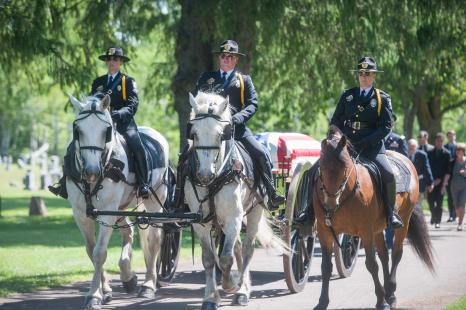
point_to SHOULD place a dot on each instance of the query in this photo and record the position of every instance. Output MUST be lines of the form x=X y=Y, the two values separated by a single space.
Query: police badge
x=373 y=103
x=119 y=87
x=349 y=98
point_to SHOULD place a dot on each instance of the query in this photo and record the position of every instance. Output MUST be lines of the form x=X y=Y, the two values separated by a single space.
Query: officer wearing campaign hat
x=228 y=81
x=124 y=102
x=364 y=114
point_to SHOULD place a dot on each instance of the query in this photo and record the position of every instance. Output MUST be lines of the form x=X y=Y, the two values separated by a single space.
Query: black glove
x=236 y=119
x=116 y=115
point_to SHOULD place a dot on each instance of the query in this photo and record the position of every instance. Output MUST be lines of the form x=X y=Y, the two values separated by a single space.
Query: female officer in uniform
x=366 y=124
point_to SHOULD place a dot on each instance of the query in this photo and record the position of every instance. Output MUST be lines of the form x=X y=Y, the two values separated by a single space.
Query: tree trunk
x=429 y=114
x=245 y=32
x=37 y=206
x=193 y=55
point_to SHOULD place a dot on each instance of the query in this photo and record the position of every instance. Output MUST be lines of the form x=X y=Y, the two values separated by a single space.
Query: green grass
x=460 y=304
x=39 y=252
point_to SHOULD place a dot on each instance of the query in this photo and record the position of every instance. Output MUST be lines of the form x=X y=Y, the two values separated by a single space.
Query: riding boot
x=142 y=174
x=304 y=217
x=178 y=200
x=389 y=196
x=60 y=188
x=267 y=178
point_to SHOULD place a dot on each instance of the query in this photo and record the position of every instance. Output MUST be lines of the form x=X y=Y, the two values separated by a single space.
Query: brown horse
x=346 y=200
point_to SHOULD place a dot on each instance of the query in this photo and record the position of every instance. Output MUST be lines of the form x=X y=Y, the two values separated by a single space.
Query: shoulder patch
x=135 y=87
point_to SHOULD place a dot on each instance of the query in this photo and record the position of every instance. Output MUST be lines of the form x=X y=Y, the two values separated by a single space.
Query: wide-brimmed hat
x=367 y=64
x=229 y=47
x=114 y=51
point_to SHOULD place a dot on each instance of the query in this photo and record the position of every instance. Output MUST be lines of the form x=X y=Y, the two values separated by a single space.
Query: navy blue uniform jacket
x=126 y=108
x=396 y=143
x=231 y=88
x=352 y=108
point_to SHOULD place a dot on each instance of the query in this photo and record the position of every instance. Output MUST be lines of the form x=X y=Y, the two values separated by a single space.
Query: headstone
x=8 y=161
x=37 y=206
x=28 y=181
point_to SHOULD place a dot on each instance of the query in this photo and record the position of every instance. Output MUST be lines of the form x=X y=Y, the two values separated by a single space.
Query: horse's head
x=92 y=130
x=335 y=163
x=208 y=128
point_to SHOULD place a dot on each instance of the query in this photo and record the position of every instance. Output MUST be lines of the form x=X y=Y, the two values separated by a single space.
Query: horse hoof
x=208 y=305
x=107 y=298
x=146 y=292
x=130 y=286
x=92 y=303
x=392 y=301
x=240 y=299
x=385 y=306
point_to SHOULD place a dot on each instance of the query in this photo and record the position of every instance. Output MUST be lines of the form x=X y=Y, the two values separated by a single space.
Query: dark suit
x=451 y=207
x=421 y=162
x=426 y=147
x=353 y=109
x=439 y=161
x=231 y=88
x=123 y=111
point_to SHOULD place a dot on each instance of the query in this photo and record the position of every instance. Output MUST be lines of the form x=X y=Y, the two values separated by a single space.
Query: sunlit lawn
x=37 y=252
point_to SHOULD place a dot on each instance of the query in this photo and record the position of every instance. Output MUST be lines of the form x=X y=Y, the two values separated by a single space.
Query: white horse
x=235 y=202
x=96 y=140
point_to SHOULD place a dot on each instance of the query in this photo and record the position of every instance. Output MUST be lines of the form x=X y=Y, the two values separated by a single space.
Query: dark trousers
x=451 y=207
x=435 y=199
x=254 y=148
x=131 y=134
x=384 y=166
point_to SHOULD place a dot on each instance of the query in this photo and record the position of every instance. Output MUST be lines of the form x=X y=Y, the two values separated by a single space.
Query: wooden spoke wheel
x=346 y=256
x=167 y=261
x=301 y=240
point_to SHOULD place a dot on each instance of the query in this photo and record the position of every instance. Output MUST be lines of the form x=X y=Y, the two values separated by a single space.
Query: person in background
x=439 y=160
x=421 y=162
x=397 y=143
x=458 y=183
x=423 y=139
x=451 y=146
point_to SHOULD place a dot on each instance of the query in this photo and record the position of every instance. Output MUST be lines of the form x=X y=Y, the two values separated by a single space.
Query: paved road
x=417 y=288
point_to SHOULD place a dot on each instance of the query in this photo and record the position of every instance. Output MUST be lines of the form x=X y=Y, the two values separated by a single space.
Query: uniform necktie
x=224 y=77
x=363 y=93
x=110 y=80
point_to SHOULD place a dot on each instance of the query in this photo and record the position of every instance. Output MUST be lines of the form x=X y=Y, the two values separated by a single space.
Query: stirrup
x=144 y=191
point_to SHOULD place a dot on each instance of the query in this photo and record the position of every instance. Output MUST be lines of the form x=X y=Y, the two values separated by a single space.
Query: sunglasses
x=364 y=73
x=113 y=58
x=229 y=56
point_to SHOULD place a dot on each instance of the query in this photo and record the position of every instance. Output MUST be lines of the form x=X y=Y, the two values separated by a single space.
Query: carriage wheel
x=301 y=241
x=347 y=255
x=167 y=261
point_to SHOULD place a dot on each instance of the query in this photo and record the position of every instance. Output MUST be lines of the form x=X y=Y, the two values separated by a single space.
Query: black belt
x=359 y=125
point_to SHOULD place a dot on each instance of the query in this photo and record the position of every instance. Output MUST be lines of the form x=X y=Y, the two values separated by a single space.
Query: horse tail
x=419 y=237
x=268 y=239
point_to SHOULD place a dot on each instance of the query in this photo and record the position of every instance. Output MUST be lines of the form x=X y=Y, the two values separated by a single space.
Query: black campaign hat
x=367 y=64
x=114 y=51
x=229 y=47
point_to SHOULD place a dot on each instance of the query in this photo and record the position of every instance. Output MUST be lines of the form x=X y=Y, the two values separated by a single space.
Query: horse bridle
x=226 y=135
x=342 y=186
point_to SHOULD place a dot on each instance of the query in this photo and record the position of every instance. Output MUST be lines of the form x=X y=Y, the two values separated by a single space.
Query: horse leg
x=211 y=295
x=127 y=276
x=238 y=254
x=373 y=268
x=94 y=297
x=151 y=249
x=397 y=253
x=231 y=230
x=87 y=228
x=326 y=244
x=244 y=282
x=383 y=256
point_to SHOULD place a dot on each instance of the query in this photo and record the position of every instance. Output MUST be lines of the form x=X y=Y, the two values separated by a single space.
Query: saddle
x=400 y=171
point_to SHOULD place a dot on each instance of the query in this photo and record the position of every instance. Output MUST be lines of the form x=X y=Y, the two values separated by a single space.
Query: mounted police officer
x=124 y=102
x=227 y=81
x=365 y=116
